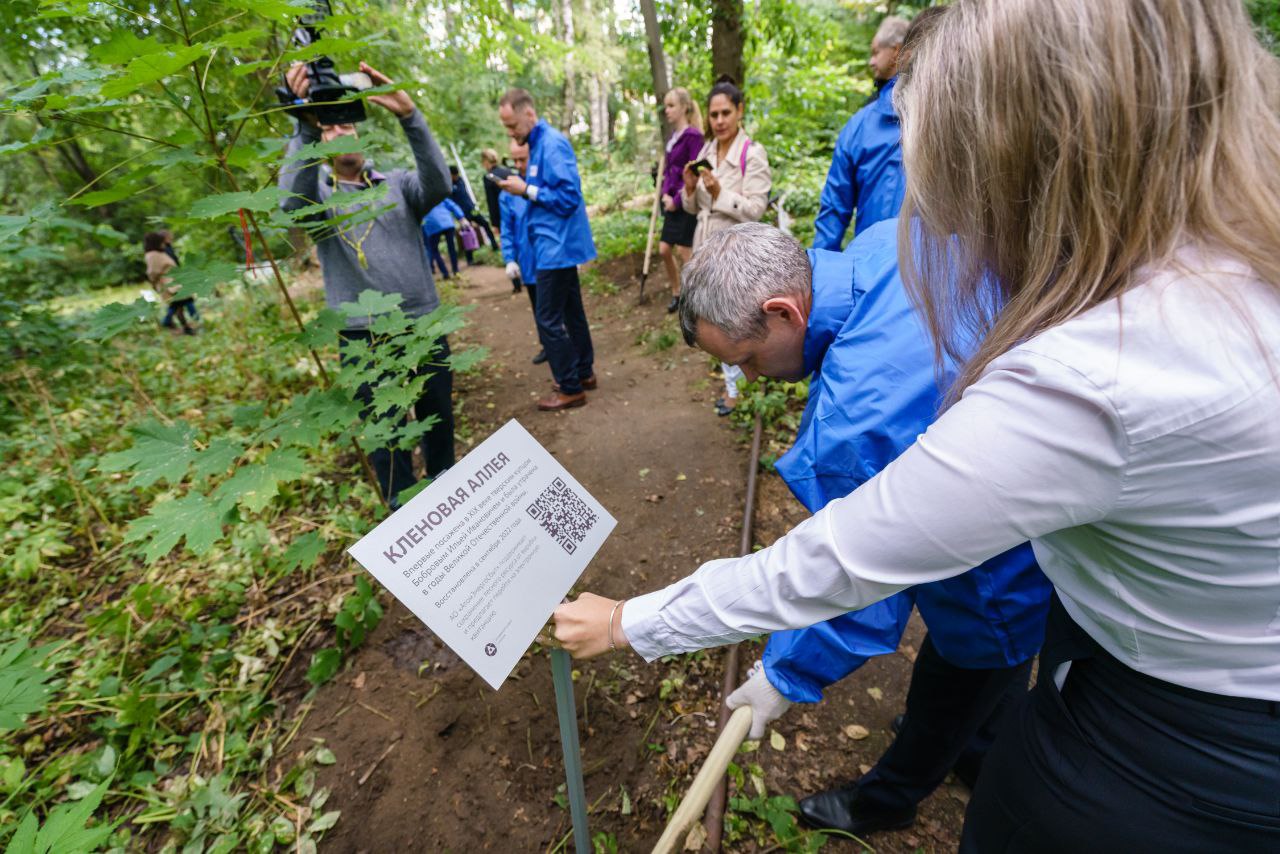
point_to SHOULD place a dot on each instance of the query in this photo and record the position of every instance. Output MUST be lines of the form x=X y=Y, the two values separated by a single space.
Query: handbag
x=467 y=234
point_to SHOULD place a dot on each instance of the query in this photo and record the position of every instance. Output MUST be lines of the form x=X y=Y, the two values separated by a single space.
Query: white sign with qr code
x=485 y=553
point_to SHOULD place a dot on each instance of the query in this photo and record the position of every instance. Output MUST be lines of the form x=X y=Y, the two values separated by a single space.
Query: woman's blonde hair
x=1053 y=147
x=489 y=157
x=692 y=113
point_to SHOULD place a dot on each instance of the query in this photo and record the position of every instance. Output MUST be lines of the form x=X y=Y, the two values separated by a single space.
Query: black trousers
x=1117 y=761
x=394 y=467
x=563 y=328
x=449 y=235
x=953 y=714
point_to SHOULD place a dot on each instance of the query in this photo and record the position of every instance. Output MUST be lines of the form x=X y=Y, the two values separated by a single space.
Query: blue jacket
x=515 y=236
x=872 y=392
x=441 y=218
x=865 y=174
x=460 y=196
x=558 y=227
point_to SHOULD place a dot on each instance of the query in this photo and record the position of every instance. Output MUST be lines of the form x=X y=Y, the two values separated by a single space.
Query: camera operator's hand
x=513 y=184
x=397 y=102
x=300 y=84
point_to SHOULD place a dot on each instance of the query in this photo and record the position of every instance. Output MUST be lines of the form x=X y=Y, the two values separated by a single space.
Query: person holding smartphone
x=682 y=147
x=729 y=183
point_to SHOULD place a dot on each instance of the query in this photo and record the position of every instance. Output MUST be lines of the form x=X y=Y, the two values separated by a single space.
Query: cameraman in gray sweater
x=384 y=253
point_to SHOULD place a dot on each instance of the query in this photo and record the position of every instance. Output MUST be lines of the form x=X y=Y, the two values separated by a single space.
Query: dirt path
x=430 y=759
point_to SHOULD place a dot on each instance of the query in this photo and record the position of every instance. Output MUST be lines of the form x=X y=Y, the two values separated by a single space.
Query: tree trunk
x=726 y=39
x=657 y=60
x=599 y=113
x=570 y=88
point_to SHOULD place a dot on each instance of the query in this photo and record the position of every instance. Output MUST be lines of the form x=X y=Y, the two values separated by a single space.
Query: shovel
x=653 y=221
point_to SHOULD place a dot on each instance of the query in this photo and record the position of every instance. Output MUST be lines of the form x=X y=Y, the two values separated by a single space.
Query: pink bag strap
x=742 y=161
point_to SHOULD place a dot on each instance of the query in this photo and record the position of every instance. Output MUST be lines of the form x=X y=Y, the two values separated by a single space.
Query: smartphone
x=498 y=174
x=704 y=163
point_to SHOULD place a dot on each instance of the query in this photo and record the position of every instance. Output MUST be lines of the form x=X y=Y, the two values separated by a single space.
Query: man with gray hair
x=866 y=168
x=753 y=297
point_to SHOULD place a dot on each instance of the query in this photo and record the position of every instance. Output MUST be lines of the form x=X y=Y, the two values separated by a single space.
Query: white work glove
x=513 y=270
x=767 y=705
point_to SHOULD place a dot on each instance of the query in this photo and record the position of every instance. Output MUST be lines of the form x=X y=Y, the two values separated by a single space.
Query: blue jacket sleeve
x=453 y=208
x=835 y=209
x=801 y=662
x=560 y=187
x=508 y=227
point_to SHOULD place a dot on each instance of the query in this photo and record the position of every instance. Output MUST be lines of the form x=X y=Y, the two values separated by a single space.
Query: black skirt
x=678 y=226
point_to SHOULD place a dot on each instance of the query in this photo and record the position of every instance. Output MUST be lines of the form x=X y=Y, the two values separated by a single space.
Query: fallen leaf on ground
x=876 y=694
x=856 y=731
x=776 y=741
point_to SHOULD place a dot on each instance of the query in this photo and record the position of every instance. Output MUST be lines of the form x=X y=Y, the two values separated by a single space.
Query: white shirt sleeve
x=1032 y=447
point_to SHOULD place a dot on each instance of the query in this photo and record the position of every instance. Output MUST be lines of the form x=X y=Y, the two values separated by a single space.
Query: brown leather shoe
x=557 y=401
x=589 y=384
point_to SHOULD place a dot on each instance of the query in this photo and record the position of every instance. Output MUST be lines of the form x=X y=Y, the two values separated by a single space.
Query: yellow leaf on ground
x=856 y=732
x=776 y=741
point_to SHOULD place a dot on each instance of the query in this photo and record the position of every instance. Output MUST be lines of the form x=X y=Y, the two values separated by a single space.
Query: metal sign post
x=567 y=711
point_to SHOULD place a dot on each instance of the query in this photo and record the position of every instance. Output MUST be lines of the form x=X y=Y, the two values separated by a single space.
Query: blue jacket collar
x=833 y=299
x=536 y=133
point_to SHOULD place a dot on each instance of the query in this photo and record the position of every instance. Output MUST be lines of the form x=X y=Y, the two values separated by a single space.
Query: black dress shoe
x=540 y=358
x=841 y=809
x=674 y=305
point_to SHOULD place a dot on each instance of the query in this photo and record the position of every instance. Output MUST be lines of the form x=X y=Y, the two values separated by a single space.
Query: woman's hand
x=582 y=626
x=690 y=181
x=668 y=203
x=712 y=184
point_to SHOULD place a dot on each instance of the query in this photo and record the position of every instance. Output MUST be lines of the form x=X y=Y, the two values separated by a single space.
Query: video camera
x=328 y=87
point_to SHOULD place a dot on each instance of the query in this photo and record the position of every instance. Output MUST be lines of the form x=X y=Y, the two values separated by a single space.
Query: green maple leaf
x=149 y=68
x=199 y=280
x=312 y=416
x=159 y=452
x=370 y=303
x=23 y=688
x=302 y=552
x=255 y=484
x=322 y=150
x=218 y=457
x=461 y=361
x=193 y=516
x=208 y=207
x=324 y=329
x=64 y=830
x=117 y=317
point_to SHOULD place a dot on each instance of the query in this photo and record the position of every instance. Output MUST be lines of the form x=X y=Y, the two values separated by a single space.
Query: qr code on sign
x=563 y=515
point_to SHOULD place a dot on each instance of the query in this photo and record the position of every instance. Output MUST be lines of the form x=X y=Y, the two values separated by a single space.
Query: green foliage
x=360 y=614
x=24 y=688
x=64 y=831
x=768 y=821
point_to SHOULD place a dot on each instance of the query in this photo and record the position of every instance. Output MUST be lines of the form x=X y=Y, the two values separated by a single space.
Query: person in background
x=462 y=198
x=682 y=147
x=866 y=169
x=561 y=239
x=516 y=251
x=190 y=306
x=159 y=263
x=1103 y=243
x=492 y=195
x=872 y=391
x=385 y=254
x=440 y=223
x=735 y=189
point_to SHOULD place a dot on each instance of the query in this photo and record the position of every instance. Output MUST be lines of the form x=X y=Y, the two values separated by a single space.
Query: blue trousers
x=563 y=328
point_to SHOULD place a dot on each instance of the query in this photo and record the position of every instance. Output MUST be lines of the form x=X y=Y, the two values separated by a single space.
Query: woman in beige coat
x=735 y=189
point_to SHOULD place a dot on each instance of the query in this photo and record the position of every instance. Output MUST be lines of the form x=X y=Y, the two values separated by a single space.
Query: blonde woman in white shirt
x=1094 y=187
x=735 y=189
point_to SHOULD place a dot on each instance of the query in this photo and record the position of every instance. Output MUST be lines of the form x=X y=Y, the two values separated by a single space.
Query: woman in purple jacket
x=677 y=224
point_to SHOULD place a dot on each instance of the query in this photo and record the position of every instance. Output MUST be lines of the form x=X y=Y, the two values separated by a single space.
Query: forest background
x=172 y=519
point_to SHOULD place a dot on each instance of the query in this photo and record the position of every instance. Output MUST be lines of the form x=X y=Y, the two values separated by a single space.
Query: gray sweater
x=391 y=243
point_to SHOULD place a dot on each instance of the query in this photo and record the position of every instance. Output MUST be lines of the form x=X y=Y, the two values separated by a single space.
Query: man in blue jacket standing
x=753 y=297
x=561 y=239
x=866 y=170
x=516 y=251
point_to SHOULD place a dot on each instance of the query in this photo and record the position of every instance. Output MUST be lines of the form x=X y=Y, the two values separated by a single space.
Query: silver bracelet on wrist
x=613 y=611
